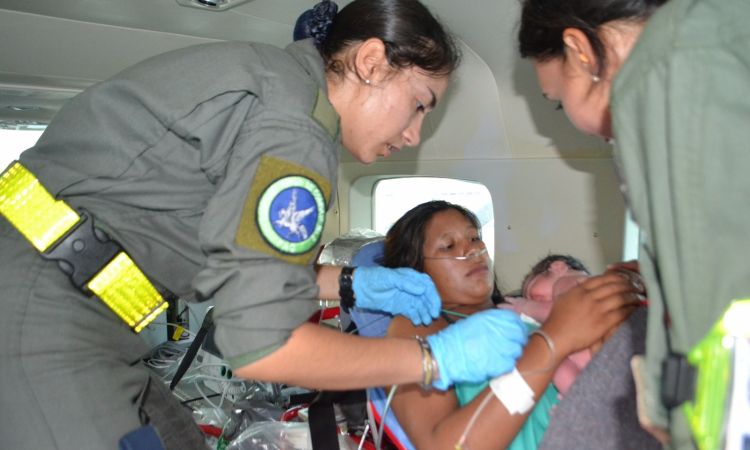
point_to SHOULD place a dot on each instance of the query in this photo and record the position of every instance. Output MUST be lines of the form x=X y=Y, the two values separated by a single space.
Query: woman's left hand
x=397 y=291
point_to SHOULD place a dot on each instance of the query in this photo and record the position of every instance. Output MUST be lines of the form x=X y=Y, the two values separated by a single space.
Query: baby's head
x=551 y=277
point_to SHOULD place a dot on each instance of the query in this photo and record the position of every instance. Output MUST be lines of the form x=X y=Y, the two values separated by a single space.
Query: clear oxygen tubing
x=460 y=258
x=385 y=413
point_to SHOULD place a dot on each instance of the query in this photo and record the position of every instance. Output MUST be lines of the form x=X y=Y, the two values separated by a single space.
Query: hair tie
x=315 y=23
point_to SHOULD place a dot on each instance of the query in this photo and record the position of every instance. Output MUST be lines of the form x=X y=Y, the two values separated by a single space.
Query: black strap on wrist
x=346 y=293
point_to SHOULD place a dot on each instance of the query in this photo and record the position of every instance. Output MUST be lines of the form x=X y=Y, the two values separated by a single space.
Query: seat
x=375 y=324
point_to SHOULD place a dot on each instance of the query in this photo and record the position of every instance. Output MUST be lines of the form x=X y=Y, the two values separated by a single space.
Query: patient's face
x=459 y=282
x=546 y=286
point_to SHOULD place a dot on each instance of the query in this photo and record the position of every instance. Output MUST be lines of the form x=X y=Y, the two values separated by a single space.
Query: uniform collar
x=307 y=55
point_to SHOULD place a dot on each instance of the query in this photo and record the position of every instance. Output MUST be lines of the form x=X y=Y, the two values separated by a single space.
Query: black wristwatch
x=345 y=287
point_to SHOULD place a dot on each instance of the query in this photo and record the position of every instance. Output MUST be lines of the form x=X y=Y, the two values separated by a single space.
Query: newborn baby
x=548 y=279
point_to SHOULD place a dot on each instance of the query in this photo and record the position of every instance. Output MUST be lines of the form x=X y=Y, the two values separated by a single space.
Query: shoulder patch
x=285 y=211
x=324 y=113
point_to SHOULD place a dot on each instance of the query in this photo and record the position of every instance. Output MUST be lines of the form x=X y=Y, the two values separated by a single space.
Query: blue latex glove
x=482 y=346
x=397 y=291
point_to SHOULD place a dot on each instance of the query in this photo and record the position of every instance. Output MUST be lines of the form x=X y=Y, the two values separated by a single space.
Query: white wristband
x=513 y=391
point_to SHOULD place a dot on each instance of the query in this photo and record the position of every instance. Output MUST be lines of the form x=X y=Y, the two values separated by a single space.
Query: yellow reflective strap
x=125 y=289
x=43 y=220
x=32 y=210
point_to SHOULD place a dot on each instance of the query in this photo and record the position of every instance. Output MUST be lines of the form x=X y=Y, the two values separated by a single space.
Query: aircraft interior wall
x=545 y=199
x=553 y=188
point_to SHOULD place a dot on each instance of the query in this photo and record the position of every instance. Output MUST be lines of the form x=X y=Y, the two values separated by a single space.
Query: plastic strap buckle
x=97 y=264
x=677 y=380
x=83 y=251
x=93 y=262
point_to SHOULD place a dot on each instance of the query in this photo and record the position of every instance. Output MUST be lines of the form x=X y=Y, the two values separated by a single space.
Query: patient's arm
x=569 y=369
x=311 y=352
x=433 y=420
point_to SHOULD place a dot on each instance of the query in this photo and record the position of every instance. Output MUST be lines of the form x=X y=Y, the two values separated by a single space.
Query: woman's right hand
x=584 y=314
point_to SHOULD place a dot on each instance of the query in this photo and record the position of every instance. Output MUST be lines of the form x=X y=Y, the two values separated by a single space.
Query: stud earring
x=367 y=81
x=596 y=79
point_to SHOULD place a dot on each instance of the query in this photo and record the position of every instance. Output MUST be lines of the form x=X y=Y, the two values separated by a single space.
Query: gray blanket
x=599 y=410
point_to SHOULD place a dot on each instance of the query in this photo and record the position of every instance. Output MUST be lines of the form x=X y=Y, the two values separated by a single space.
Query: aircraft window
x=631 y=238
x=13 y=142
x=392 y=197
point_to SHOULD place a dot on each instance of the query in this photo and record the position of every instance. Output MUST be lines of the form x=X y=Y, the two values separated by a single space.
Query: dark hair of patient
x=405 y=240
x=413 y=37
x=543 y=22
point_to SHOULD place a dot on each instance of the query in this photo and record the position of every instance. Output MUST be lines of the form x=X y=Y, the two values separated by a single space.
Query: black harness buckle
x=677 y=380
x=83 y=251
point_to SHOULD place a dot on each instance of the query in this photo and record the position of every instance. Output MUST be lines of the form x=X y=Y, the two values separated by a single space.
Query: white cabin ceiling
x=52 y=49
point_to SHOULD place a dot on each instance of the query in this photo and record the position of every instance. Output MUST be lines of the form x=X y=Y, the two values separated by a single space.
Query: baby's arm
x=569 y=369
x=538 y=311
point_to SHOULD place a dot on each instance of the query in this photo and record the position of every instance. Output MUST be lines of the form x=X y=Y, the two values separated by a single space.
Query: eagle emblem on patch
x=285 y=211
x=291 y=214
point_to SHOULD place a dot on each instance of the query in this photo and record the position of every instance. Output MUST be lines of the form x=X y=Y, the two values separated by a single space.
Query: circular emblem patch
x=291 y=214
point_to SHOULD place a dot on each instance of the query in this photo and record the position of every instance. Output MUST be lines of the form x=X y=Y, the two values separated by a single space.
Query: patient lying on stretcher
x=443 y=240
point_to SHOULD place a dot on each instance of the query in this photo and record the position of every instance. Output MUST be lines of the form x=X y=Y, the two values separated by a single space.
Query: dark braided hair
x=543 y=23
x=413 y=37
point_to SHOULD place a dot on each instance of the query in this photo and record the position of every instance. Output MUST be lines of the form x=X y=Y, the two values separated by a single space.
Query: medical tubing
x=459 y=258
x=364 y=433
x=470 y=424
x=454 y=313
x=176 y=325
x=165 y=355
x=368 y=324
x=385 y=413
x=225 y=385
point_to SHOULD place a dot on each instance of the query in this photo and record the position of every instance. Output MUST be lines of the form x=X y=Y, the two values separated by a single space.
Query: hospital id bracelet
x=429 y=364
x=346 y=293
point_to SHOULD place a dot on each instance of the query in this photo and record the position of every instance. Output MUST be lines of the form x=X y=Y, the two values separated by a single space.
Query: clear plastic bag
x=281 y=436
x=339 y=252
x=246 y=413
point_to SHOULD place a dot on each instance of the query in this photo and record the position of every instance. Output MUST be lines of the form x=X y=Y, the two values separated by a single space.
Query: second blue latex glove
x=397 y=291
x=482 y=346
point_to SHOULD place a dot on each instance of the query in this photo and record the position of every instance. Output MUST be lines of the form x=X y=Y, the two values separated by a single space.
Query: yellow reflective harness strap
x=44 y=221
x=125 y=289
x=33 y=211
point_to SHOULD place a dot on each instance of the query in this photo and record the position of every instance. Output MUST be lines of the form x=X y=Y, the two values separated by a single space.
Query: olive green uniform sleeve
x=262 y=287
x=681 y=115
x=173 y=155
